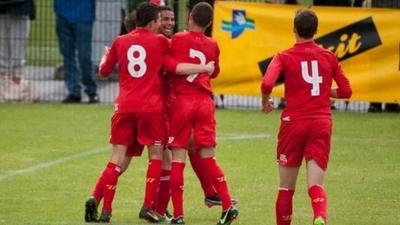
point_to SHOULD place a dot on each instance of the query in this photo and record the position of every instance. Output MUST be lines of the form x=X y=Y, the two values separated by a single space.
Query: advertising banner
x=366 y=42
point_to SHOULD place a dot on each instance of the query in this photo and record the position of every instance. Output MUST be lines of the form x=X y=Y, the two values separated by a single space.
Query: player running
x=306 y=124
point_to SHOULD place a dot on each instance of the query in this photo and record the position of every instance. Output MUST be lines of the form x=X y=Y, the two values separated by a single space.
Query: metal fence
x=43 y=63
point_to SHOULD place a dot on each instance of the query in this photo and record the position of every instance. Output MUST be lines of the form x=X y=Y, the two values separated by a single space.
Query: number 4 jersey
x=308 y=72
x=193 y=47
x=140 y=55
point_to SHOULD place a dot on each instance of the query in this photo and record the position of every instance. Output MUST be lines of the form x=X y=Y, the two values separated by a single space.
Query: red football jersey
x=193 y=47
x=308 y=70
x=140 y=55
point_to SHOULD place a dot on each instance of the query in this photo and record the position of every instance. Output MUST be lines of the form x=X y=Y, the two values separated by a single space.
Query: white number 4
x=314 y=79
x=196 y=54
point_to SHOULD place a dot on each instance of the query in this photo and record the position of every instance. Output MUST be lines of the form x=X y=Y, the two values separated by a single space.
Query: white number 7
x=314 y=79
x=196 y=54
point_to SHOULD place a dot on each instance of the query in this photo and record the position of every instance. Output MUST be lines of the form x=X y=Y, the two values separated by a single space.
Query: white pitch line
x=243 y=136
x=30 y=169
x=33 y=168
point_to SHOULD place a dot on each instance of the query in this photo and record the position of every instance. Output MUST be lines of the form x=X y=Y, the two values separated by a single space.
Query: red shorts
x=192 y=113
x=137 y=130
x=310 y=139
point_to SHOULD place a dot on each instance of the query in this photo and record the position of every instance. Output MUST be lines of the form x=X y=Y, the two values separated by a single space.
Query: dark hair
x=202 y=14
x=130 y=21
x=306 y=23
x=145 y=13
x=164 y=8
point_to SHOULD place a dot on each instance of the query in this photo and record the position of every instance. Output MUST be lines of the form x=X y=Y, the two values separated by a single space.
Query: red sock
x=98 y=190
x=152 y=181
x=206 y=185
x=218 y=179
x=176 y=186
x=163 y=192
x=283 y=206
x=318 y=200
x=110 y=176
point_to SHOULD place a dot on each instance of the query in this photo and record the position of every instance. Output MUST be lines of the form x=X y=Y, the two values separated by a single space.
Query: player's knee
x=155 y=152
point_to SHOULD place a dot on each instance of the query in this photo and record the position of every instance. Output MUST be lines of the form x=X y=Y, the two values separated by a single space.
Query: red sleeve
x=169 y=63
x=108 y=61
x=344 y=89
x=217 y=69
x=271 y=75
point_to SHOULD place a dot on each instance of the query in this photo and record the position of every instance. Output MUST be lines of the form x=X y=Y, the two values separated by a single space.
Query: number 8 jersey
x=308 y=71
x=140 y=55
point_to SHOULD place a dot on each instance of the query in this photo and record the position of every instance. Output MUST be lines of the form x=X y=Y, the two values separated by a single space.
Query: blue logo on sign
x=238 y=24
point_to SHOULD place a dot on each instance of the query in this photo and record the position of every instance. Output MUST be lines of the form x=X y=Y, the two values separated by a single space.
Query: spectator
x=74 y=23
x=15 y=16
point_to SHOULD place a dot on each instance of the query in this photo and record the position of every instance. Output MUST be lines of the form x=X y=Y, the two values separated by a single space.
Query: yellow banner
x=366 y=42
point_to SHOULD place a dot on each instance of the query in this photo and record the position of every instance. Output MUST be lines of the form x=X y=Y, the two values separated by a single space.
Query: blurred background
x=43 y=71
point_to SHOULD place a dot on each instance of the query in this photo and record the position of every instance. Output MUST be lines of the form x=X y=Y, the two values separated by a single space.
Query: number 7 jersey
x=308 y=72
x=140 y=55
x=193 y=47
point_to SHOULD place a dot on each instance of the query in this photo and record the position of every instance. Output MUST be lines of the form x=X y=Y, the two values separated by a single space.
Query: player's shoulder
x=282 y=53
x=161 y=39
x=120 y=37
x=181 y=35
x=124 y=37
x=324 y=50
x=326 y=54
x=211 y=40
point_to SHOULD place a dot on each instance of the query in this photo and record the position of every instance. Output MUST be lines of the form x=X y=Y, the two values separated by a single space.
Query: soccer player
x=306 y=124
x=160 y=205
x=193 y=112
x=211 y=196
x=138 y=116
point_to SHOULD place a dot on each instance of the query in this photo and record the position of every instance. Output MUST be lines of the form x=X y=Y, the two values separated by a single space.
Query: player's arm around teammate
x=137 y=120
x=193 y=111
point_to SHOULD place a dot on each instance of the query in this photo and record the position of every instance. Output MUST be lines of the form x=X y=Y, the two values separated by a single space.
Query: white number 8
x=314 y=79
x=137 y=62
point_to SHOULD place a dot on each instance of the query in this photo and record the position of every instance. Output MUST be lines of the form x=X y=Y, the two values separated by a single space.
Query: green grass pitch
x=51 y=156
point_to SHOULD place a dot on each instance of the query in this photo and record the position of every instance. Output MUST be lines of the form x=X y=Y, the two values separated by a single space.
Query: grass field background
x=51 y=156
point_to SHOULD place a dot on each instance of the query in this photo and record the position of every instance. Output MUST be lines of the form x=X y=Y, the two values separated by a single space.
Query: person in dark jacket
x=74 y=27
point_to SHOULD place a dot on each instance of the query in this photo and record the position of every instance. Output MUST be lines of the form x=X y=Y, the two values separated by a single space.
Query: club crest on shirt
x=170 y=140
x=238 y=23
x=282 y=159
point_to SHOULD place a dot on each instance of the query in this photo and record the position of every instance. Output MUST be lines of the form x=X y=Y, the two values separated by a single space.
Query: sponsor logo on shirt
x=286 y=118
x=345 y=42
x=238 y=24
